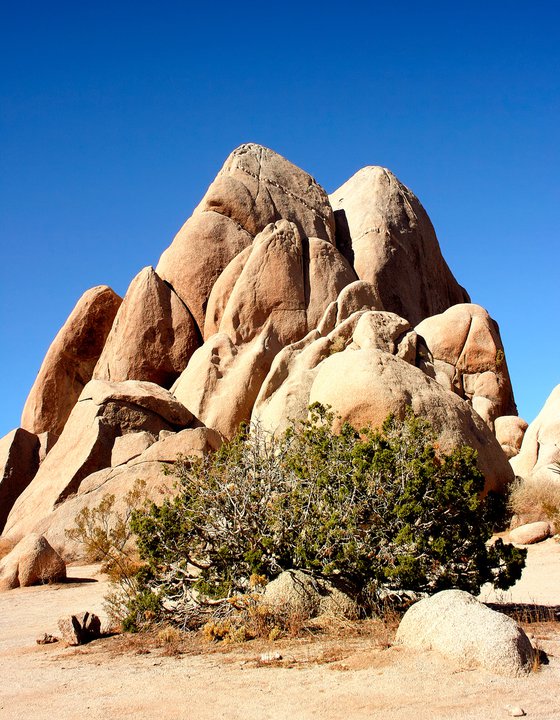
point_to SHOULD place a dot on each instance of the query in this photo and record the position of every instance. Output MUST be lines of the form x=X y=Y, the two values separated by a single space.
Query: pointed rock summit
x=387 y=235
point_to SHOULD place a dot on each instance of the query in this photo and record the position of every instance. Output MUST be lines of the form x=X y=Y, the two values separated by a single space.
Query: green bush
x=375 y=510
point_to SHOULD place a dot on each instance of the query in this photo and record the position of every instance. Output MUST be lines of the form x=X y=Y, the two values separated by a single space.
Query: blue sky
x=115 y=117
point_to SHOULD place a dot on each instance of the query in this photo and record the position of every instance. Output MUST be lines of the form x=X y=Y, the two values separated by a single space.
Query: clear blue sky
x=115 y=117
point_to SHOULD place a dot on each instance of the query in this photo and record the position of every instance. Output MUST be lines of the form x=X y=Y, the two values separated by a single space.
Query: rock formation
x=271 y=296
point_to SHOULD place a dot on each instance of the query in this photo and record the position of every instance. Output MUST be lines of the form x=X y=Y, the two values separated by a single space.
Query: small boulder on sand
x=457 y=625
x=531 y=533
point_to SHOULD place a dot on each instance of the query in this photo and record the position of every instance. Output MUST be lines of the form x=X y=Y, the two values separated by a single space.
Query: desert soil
x=341 y=675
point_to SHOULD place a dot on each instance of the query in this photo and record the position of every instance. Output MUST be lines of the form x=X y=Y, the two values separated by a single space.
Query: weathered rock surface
x=255 y=187
x=80 y=629
x=32 y=561
x=364 y=386
x=457 y=625
x=152 y=337
x=540 y=448
x=285 y=393
x=468 y=358
x=299 y=592
x=19 y=461
x=103 y=412
x=509 y=431
x=281 y=293
x=69 y=362
x=146 y=468
x=387 y=235
x=130 y=446
x=531 y=533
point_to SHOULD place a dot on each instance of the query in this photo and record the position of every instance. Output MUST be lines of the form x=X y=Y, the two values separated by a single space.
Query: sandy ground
x=334 y=677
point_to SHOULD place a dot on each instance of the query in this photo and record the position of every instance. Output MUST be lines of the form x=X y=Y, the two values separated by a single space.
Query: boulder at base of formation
x=33 y=561
x=457 y=625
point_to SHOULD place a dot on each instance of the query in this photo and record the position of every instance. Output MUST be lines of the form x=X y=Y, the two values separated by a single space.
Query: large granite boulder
x=33 y=561
x=457 y=625
x=285 y=393
x=467 y=357
x=69 y=362
x=364 y=386
x=540 y=449
x=103 y=412
x=387 y=235
x=152 y=337
x=19 y=461
x=282 y=291
x=254 y=188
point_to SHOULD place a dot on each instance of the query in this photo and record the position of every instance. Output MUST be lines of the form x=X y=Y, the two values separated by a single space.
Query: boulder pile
x=273 y=295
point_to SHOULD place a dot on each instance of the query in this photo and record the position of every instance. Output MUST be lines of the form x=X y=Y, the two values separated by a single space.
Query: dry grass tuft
x=533 y=500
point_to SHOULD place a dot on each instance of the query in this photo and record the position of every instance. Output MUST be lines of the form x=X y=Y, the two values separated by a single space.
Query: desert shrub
x=106 y=536
x=377 y=509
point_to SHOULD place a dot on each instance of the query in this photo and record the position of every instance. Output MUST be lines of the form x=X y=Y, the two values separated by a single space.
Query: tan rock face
x=153 y=335
x=104 y=412
x=19 y=461
x=540 y=448
x=118 y=481
x=285 y=393
x=509 y=431
x=364 y=386
x=33 y=561
x=255 y=187
x=281 y=292
x=468 y=358
x=69 y=362
x=389 y=238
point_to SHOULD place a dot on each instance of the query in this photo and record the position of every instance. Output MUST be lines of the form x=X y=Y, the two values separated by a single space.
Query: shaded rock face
x=19 y=461
x=388 y=237
x=457 y=625
x=33 y=561
x=153 y=335
x=467 y=357
x=540 y=448
x=282 y=289
x=69 y=362
x=103 y=412
x=255 y=187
